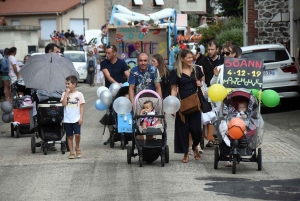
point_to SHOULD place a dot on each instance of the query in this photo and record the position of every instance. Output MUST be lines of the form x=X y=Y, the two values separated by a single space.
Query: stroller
x=48 y=121
x=246 y=148
x=22 y=105
x=148 y=150
x=122 y=128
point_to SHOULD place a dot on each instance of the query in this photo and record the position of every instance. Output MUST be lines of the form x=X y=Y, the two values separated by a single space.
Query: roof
x=30 y=7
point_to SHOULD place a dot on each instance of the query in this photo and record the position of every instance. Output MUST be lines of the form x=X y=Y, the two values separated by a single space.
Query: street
x=103 y=173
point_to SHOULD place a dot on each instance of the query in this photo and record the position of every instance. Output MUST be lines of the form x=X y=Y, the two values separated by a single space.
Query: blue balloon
x=125 y=84
x=100 y=106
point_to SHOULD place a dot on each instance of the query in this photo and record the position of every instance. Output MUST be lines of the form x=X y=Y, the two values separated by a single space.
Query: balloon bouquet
x=8 y=114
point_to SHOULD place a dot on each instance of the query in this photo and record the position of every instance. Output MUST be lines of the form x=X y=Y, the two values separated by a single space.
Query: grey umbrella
x=47 y=72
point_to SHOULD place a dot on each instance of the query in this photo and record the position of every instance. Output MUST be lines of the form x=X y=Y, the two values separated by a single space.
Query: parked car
x=280 y=72
x=78 y=58
x=40 y=53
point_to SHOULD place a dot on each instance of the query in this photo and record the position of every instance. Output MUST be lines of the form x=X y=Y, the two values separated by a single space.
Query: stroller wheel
x=259 y=159
x=122 y=142
x=18 y=132
x=216 y=160
x=33 y=147
x=45 y=150
x=112 y=140
x=234 y=164
x=141 y=161
x=12 y=130
x=129 y=150
x=167 y=153
x=163 y=160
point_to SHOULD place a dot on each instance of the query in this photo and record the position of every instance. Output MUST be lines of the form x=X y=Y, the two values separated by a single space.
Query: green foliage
x=210 y=33
x=234 y=35
x=233 y=22
x=193 y=20
x=231 y=7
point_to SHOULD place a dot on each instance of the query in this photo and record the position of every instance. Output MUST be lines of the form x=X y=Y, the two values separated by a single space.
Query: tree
x=231 y=7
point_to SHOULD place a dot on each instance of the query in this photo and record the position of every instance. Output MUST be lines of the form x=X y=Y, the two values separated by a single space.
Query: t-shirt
x=72 y=110
x=67 y=34
x=144 y=80
x=115 y=70
x=12 y=60
x=208 y=67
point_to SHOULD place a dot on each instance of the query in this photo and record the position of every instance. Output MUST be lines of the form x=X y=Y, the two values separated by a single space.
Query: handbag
x=190 y=104
x=205 y=105
x=91 y=69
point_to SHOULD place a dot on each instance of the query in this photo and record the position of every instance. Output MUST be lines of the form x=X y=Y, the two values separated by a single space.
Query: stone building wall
x=271 y=32
x=146 y=8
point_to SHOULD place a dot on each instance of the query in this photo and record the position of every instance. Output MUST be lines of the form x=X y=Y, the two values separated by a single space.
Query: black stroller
x=48 y=122
x=148 y=150
x=244 y=149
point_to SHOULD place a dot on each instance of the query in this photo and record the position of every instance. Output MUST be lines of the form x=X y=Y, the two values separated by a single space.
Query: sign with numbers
x=243 y=73
x=125 y=123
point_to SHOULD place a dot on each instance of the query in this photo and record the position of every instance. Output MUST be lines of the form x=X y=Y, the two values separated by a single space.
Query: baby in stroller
x=154 y=122
x=240 y=103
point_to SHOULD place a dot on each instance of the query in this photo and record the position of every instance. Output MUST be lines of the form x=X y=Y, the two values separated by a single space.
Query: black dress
x=91 y=75
x=186 y=87
x=165 y=85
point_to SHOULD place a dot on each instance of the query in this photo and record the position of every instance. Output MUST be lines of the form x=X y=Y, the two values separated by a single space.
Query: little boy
x=73 y=102
x=242 y=108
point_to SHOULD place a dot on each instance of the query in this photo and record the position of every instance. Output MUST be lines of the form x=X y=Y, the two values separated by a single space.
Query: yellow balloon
x=228 y=90
x=217 y=92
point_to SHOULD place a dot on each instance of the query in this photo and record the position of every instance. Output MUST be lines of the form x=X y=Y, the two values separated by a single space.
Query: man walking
x=114 y=70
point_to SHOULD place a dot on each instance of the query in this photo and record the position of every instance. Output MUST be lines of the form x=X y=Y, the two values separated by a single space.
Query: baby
x=242 y=108
x=149 y=121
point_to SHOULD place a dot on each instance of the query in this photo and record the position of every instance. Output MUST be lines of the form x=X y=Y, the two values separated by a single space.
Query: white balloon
x=106 y=97
x=114 y=88
x=122 y=105
x=100 y=89
x=171 y=104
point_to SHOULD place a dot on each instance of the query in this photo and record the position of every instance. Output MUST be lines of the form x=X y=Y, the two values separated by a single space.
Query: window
x=47 y=28
x=158 y=2
x=15 y=22
x=136 y=2
x=268 y=56
x=75 y=57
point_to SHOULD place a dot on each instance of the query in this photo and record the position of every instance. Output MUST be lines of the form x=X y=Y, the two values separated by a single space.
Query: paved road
x=103 y=173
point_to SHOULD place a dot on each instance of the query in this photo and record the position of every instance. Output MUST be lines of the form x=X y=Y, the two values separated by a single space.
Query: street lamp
x=83 y=21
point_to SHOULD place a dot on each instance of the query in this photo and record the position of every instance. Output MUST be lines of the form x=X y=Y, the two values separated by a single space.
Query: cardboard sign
x=152 y=42
x=182 y=20
x=243 y=73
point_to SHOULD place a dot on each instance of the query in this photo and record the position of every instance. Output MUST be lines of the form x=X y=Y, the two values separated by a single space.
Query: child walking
x=73 y=102
x=99 y=74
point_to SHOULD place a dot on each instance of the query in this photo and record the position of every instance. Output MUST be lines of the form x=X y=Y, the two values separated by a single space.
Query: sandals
x=228 y=164
x=185 y=158
x=78 y=153
x=197 y=155
x=210 y=144
x=71 y=156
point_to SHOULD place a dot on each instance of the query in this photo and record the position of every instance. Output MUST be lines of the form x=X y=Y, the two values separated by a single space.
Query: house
x=54 y=15
x=271 y=22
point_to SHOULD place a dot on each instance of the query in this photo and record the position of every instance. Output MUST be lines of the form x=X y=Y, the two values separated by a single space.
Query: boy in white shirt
x=73 y=102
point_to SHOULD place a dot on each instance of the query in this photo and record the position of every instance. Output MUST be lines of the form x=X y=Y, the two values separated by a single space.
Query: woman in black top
x=183 y=77
x=158 y=61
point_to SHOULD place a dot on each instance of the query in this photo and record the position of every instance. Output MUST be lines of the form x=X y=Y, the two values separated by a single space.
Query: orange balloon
x=236 y=128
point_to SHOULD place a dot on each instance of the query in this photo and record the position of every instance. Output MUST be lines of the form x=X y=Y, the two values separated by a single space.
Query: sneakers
x=228 y=164
x=107 y=141
x=52 y=148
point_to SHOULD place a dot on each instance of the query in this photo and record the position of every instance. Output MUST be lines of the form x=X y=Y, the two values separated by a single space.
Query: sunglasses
x=226 y=53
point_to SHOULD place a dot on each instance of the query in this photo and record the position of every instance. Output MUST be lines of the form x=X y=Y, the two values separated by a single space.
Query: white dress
x=99 y=74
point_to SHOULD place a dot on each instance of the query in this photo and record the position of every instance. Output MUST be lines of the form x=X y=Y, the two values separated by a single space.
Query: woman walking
x=187 y=79
x=91 y=65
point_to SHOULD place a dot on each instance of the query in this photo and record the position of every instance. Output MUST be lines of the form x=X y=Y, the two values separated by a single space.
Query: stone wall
x=146 y=8
x=271 y=32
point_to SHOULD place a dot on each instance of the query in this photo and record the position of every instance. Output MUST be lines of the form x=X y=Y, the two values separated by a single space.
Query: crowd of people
x=68 y=38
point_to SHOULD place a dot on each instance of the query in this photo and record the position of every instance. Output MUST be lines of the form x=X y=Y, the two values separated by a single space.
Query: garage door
x=77 y=26
x=47 y=28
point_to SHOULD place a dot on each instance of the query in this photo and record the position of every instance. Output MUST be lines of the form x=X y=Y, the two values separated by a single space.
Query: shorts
x=5 y=77
x=72 y=128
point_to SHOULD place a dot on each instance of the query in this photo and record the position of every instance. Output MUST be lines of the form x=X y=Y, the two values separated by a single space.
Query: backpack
x=4 y=66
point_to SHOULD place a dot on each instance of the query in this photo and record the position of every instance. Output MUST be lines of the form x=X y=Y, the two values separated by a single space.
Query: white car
x=78 y=58
x=280 y=71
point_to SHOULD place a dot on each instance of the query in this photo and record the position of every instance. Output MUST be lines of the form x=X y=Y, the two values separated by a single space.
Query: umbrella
x=47 y=72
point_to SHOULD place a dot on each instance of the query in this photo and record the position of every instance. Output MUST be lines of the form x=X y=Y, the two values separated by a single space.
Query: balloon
x=114 y=88
x=270 y=98
x=11 y=116
x=236 y=128
x=125 y=84
x=106 y=97
x=100 y=89
x=5 y=118
x=6 y=107
x=100 y=106
x=122 y=105
x=171 y=104
x=255 y=92
x=217 y=92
